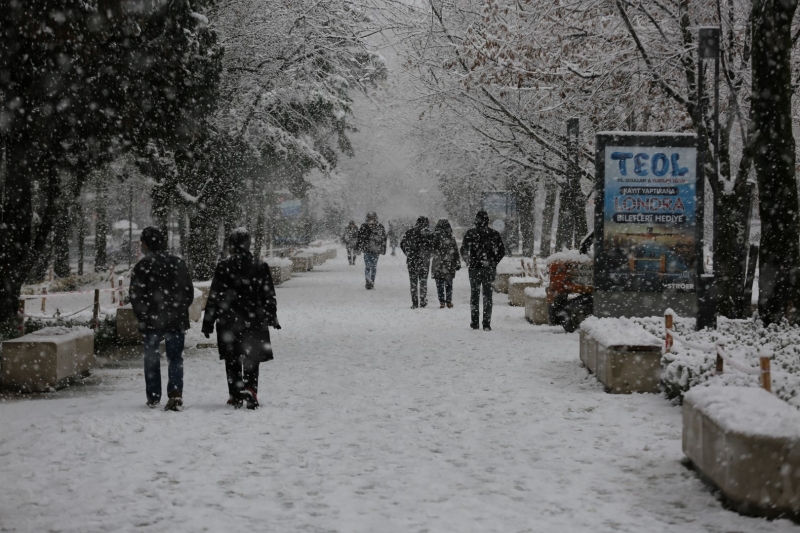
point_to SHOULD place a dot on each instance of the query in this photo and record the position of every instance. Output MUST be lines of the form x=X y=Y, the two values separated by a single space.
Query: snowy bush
x=745 y=341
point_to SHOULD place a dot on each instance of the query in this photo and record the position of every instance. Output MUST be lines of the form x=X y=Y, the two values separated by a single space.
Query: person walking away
x=392 y=237
x=372 y=243
x=350 y=239
x=446 y=262
x=242 y=305
x=161 y=292
x=482 y=249
x=417 y=244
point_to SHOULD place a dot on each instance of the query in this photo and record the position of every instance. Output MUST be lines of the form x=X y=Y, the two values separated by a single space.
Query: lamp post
x=708 y=48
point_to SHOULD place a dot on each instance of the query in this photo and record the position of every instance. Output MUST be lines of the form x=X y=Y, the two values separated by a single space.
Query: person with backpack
x=372 y=243
x=241 y=302
x=350 y=239
x=482 y=249
x=416 y=244
x=161 y=292
x=446 y=262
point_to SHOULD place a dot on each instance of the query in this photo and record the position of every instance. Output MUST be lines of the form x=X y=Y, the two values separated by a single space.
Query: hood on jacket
x=422 y=222
x=153 y=239
x=482 y=220
x=443 y=227
x=239 y=240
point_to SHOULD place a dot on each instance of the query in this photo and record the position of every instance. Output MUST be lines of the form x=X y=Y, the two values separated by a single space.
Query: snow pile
x=747 y=411
x=618 y=332
x=573 y=256
x=279 y=262
x=60 y=333
x=536 y=292
x=526 y=279
x=509 y=265
x=745 y=341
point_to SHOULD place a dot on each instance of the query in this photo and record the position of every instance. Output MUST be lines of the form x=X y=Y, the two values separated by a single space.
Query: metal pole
x=130 y=225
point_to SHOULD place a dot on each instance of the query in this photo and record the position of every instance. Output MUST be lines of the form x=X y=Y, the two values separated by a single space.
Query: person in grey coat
x=446 y=262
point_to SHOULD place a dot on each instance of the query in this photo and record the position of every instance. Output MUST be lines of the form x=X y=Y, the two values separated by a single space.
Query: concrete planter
x=302 y=262
x=516 y=289
x=331 y=253
x=536 y=308
x=622 y=368
x=746 y=442
x=281 y=273
x=47 y=359
x=501 y=281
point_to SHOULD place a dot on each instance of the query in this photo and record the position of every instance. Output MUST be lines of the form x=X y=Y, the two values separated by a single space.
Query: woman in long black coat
x=446 y=261
x=242 y=303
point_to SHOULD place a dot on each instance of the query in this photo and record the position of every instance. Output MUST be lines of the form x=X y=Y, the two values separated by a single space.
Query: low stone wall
x=536 y=306
x=331 y=253
x=746 y=442
x=47 y=359
x=624 y=357
x=281 y=273
x=516 y=289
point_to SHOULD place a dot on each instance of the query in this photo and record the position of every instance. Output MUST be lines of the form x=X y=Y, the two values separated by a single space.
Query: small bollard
x=121 y=292
x=766 y=375
x=44 y=298
x=113 y=292
x=719 y=364
x=668 y=325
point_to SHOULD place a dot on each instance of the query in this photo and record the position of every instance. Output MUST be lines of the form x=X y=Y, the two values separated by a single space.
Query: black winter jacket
x=241 y=301
x=161 y=293
x=482 y=246
x=372 y=239
x=417 y=244
x=446 y=259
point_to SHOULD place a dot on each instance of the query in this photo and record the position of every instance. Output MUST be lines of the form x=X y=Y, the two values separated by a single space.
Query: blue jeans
x=152 y=363
x=370 y=266
x=444 y=290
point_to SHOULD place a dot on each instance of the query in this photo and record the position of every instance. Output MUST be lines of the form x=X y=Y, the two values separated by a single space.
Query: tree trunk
x=203 y=244
x=729 y=263
x=526 y=205
x=61 y=241
x=18 y=250
x=259 y=237
x=101 y=224
x=551 y=190
x=774 y=160
x=81 y=228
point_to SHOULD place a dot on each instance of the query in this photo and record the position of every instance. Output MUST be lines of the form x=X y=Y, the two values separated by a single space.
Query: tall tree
x=774 y=158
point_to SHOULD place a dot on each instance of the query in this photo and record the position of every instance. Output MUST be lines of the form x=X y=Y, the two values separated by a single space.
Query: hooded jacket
x=241 y=301
x=446 y=259
x=372 y=238
x=417 y=243
x=482 y=246
x=161 y=292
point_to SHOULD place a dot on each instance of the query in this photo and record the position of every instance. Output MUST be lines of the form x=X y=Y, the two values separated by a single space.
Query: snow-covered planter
x=302 y=262
x=624 y=357
x=746 y=441
x=128 y=326
x=506 y=269
x=536 y=305
x=745 y=340
x=281 y=270
x=516 y=289
x=46 y=359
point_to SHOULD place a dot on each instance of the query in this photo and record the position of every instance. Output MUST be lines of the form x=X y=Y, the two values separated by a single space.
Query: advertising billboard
x=647 y=216
x=501 y=206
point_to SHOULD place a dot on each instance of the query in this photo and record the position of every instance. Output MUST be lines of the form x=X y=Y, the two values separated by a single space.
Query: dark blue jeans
x=370 y=266
x=152 y=362
x=444 y=289
x=480 y=281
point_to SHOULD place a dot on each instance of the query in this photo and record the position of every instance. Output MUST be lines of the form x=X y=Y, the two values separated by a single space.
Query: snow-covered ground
x=374 y=418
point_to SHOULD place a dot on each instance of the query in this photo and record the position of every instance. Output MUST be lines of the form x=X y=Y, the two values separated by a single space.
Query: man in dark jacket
x=161 y=293
x=241 y=301
x=372 y=242
x=482 y=249
x=417 y=245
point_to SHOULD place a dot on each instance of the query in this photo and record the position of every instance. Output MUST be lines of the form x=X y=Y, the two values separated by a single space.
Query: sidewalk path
x=375 y=419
